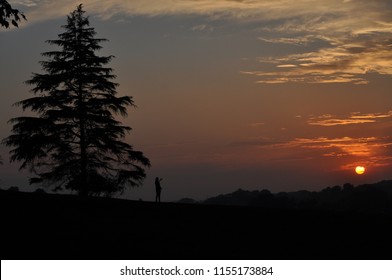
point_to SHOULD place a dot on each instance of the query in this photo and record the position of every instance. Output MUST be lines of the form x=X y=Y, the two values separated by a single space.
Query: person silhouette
x=158 y=189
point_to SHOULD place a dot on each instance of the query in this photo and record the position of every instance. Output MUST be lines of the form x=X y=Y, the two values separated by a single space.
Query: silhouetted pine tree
x=75 y=142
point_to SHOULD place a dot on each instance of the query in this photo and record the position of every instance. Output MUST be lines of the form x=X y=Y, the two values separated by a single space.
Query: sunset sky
x=254 y=94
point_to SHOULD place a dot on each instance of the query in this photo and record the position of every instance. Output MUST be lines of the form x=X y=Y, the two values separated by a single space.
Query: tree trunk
x=83 y=160
x=84 y=188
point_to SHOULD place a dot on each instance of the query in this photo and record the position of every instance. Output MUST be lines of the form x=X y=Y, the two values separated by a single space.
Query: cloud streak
x=355 y=35
x=323 y=16
x=345 y=62
x=354 y=118
x=260 y=10
x=375 y=151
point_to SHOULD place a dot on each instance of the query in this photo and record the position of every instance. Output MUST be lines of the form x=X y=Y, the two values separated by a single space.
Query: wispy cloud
x=374 y=151
x=26 y=3
x=285 y=16
x=356 y=35
x=257 y=124
x=345 y=145
x=355 y=40
x=373 y=162
x=357 y=115
x=291 y=41
x=349 y=61
x=354 y=118
x=260 y=10
x=202 y=27
x=371 y=151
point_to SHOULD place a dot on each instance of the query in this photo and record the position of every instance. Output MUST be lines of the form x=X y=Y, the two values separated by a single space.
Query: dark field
x=44 y=226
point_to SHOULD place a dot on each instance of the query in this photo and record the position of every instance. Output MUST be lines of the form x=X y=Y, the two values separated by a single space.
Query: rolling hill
x=49 y=226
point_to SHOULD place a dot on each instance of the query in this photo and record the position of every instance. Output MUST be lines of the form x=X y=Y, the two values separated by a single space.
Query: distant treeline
x=372 y=198
x=364 y=198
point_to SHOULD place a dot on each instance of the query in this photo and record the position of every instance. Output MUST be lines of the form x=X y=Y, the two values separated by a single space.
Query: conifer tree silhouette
x=75 y=142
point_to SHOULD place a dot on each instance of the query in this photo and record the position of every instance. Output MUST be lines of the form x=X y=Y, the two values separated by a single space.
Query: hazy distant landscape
x=335 y=223
x=376 y=198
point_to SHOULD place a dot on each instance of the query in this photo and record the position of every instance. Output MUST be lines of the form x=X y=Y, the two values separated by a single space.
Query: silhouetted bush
x=40 y=191
x=13 y=189
x=265 y=199
x=239 y=197
x=187 y=200
x=347 y=187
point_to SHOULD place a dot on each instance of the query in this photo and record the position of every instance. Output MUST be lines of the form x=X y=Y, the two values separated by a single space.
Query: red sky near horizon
x=283 y=95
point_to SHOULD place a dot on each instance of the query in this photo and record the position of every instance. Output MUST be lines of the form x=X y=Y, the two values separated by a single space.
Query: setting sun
x=360 y=170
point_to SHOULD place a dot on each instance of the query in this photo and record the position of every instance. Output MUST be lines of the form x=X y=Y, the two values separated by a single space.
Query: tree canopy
x=9 y=15
x=74 y=141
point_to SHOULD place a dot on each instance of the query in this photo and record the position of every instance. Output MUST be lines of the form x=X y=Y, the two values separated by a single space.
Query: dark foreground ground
x=42 y=226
